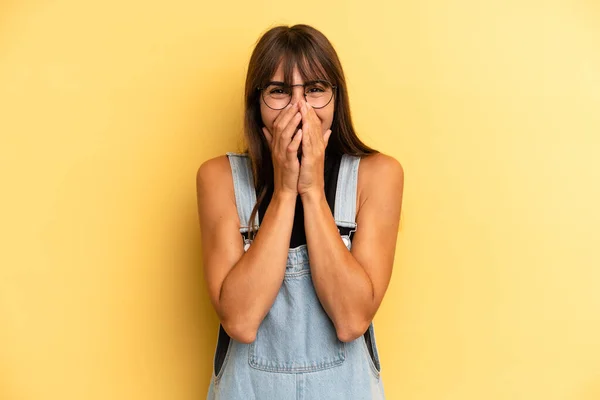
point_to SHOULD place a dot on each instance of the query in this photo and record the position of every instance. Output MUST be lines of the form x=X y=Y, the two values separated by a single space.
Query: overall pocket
x=297 y=334
x=370 y=346
x=222 y=353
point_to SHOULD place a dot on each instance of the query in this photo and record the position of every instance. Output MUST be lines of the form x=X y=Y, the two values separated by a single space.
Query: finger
x=306 y=125
x=292 y=149
x=312 y=114
x=306 y=138
x=303 y=108
x=288 y=132
x=282 y=113
x=285 y=136
x=284 y=117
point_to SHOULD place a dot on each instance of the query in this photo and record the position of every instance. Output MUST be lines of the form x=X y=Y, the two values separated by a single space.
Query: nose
x=297 y=94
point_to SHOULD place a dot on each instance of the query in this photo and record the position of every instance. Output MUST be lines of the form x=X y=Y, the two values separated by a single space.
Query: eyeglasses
x=277 y=95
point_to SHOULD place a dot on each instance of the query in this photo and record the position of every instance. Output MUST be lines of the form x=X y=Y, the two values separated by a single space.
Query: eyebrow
x=279 y=83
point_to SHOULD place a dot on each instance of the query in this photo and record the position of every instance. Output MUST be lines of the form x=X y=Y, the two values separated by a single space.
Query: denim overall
x=296 y=354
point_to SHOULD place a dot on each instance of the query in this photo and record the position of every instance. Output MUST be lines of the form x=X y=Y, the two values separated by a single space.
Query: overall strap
x=345 y=194
x=243 y=185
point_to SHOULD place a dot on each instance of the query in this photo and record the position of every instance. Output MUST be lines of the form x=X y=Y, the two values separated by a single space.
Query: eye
x=277 y=90
x=315 y=89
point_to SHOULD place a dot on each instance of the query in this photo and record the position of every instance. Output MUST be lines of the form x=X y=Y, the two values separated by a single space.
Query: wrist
x=284 y=196
x=312 y=196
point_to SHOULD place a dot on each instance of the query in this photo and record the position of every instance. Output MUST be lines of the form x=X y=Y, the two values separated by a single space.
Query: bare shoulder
x=213 y=169
x=214 y=172
x=376 y=164
x=214 y=178
x=381 y=173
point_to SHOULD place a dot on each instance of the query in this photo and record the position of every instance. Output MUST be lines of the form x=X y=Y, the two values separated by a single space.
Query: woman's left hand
x=314 y=142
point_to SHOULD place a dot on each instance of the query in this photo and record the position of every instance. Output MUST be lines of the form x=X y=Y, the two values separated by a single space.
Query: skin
x=349 y=284
x=285 y=139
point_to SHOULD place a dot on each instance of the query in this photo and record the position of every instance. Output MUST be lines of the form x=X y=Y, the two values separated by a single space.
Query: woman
x=298 y=240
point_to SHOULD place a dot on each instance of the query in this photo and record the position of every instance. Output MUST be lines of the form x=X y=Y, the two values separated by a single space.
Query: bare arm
x=351 y=284
x=242 y=285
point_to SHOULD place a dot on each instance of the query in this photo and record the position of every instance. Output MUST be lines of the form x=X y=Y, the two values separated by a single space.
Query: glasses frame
x=333 y=93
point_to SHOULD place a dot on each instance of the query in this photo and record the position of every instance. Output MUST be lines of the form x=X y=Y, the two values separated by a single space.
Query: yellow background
x=108 y=108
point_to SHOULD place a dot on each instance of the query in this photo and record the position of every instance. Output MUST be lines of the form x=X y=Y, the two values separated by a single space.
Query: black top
x=331 y=170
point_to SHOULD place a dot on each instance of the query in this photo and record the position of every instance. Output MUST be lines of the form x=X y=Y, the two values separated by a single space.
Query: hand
x=284 y=149
x=314 y=142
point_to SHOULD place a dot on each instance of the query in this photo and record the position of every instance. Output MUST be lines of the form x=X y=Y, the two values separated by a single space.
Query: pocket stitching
x=253 y=361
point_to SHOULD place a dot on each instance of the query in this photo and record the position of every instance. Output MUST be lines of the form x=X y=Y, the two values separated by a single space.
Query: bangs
x=309 y=64
x=294 y=50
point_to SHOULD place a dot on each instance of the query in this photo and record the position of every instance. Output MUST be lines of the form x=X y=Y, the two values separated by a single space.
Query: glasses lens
x=319 y=94
x=277 y=96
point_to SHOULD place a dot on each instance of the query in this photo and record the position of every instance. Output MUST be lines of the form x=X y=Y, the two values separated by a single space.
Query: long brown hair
x=308 y=49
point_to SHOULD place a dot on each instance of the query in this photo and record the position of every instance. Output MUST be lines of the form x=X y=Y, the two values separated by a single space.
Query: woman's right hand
x=284 y=149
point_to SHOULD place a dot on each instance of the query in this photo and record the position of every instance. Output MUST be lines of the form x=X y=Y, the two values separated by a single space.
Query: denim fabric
x=296 y=354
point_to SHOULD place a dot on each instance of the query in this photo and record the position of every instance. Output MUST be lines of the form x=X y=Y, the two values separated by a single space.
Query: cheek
x=268 y=116
x=326 y=117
